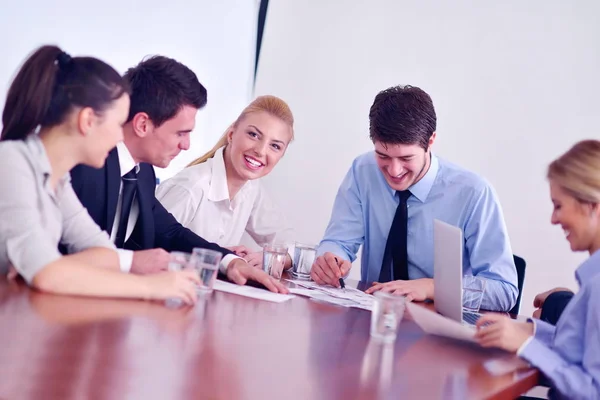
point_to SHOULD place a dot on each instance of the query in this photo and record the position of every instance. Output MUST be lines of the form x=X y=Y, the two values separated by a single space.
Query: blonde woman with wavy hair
x=567 y=354
x=219 y=195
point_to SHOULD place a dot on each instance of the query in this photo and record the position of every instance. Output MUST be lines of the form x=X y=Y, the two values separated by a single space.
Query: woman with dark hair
x=60 y=112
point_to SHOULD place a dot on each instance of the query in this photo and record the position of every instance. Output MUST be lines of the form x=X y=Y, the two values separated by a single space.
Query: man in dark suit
x=165 y=98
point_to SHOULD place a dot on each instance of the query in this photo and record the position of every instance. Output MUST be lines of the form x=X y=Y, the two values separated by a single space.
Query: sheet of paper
x=249 y=291
x=348 y=297
x=436 y=324
x=501 y=366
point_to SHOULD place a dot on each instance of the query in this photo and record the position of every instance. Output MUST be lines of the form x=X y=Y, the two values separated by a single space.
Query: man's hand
x=240 y=251
x=328 y=269
x=416 y=289
x=254 y=259
x=496 y=330
x=540 y=299
x=240 y=272
x=149 y=261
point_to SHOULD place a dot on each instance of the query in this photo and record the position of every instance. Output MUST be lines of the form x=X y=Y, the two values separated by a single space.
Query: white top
x=198 y=197
x=36 y=217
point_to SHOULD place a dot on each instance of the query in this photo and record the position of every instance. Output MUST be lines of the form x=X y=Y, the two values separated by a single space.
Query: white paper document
x=249 y=291
x=348 y=297
x=501 y=366
x=436 y=324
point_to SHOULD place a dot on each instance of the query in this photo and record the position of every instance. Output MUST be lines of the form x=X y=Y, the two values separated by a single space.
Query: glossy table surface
x=228 y=347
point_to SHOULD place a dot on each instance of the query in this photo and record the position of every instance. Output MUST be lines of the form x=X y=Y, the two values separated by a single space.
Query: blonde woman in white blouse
x=219 y=196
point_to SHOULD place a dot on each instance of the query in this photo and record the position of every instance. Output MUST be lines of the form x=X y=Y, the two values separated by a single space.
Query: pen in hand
x=342 y=283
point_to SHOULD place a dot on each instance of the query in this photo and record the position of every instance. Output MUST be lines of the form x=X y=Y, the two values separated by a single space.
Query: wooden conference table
x=228 y=347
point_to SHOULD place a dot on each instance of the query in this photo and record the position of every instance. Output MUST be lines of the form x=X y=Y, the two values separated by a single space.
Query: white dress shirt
x=199 y=199
x=126 y=164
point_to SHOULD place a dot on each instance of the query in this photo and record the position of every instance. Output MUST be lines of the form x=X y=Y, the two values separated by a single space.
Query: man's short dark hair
x=161 y=86
x=402 y=115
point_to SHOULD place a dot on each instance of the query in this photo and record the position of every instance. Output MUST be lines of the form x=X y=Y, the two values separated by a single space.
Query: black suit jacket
x=98 y=191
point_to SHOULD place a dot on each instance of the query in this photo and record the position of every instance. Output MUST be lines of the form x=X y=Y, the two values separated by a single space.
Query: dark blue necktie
x=395 y=257
x=127 y=195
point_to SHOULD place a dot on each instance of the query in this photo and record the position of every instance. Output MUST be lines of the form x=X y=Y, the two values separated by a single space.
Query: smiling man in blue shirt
x=389 y=198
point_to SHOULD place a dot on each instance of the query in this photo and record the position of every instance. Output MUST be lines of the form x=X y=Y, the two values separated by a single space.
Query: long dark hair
x=50 y=83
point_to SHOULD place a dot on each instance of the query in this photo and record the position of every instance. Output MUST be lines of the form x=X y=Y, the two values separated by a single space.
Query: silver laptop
x=448 y=272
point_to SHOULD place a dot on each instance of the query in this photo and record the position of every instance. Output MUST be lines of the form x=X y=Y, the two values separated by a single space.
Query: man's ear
x=432 y=139
x=142 y=124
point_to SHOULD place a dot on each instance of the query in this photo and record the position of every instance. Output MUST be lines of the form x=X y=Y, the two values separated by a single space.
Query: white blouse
x=198 y=197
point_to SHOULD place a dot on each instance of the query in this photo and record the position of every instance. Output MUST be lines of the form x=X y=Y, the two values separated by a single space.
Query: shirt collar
x=37 y=148
x=588 y=269
x=218 y=189
x=126 y=161
x=35 y=145
x=422 y=188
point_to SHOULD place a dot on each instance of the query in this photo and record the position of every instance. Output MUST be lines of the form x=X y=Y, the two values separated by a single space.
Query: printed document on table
x=348 y=297
x=249 y=291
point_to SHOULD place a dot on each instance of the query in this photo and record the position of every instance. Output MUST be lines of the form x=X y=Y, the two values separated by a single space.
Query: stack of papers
x=348 y=297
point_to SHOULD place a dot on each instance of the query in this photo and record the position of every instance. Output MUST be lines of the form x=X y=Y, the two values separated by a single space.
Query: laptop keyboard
x=470 y=318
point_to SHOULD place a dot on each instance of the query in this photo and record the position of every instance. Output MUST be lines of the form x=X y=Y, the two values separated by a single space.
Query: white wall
x=215 y=39
x=514 y=84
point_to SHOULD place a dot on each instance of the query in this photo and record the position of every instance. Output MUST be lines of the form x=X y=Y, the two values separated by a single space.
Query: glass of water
x=177 y=261
x=388 y=310
x=274 y=256
x=206 y=263
x=304 y=257
x=473 y=290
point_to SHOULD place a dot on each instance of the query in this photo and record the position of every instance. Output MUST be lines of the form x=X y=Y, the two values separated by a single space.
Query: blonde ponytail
x=269 y=104
x=211 y=153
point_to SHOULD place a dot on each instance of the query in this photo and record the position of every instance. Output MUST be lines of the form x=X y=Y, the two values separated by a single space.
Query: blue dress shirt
x=559 y=351
x=364 y=210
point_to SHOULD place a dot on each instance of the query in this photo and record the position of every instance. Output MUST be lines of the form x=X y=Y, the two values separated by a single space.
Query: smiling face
x=402 y=165
x=255 y=145
x=578 y=220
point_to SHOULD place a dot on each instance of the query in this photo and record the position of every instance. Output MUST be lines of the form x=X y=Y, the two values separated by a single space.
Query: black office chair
x=520 y=264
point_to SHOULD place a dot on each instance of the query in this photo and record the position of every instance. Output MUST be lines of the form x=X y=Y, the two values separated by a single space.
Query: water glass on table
x=178 y=261
x=206 y=262
x=274 y=256
x=388 y=310
x=473 y=290
x=304 y=257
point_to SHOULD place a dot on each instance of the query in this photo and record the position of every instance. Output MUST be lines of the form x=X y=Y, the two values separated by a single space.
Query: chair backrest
x=520 y=264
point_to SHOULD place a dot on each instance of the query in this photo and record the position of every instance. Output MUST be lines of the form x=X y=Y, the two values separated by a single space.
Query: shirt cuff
x=226 y=261
x=125 y=259
x=524 y=345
